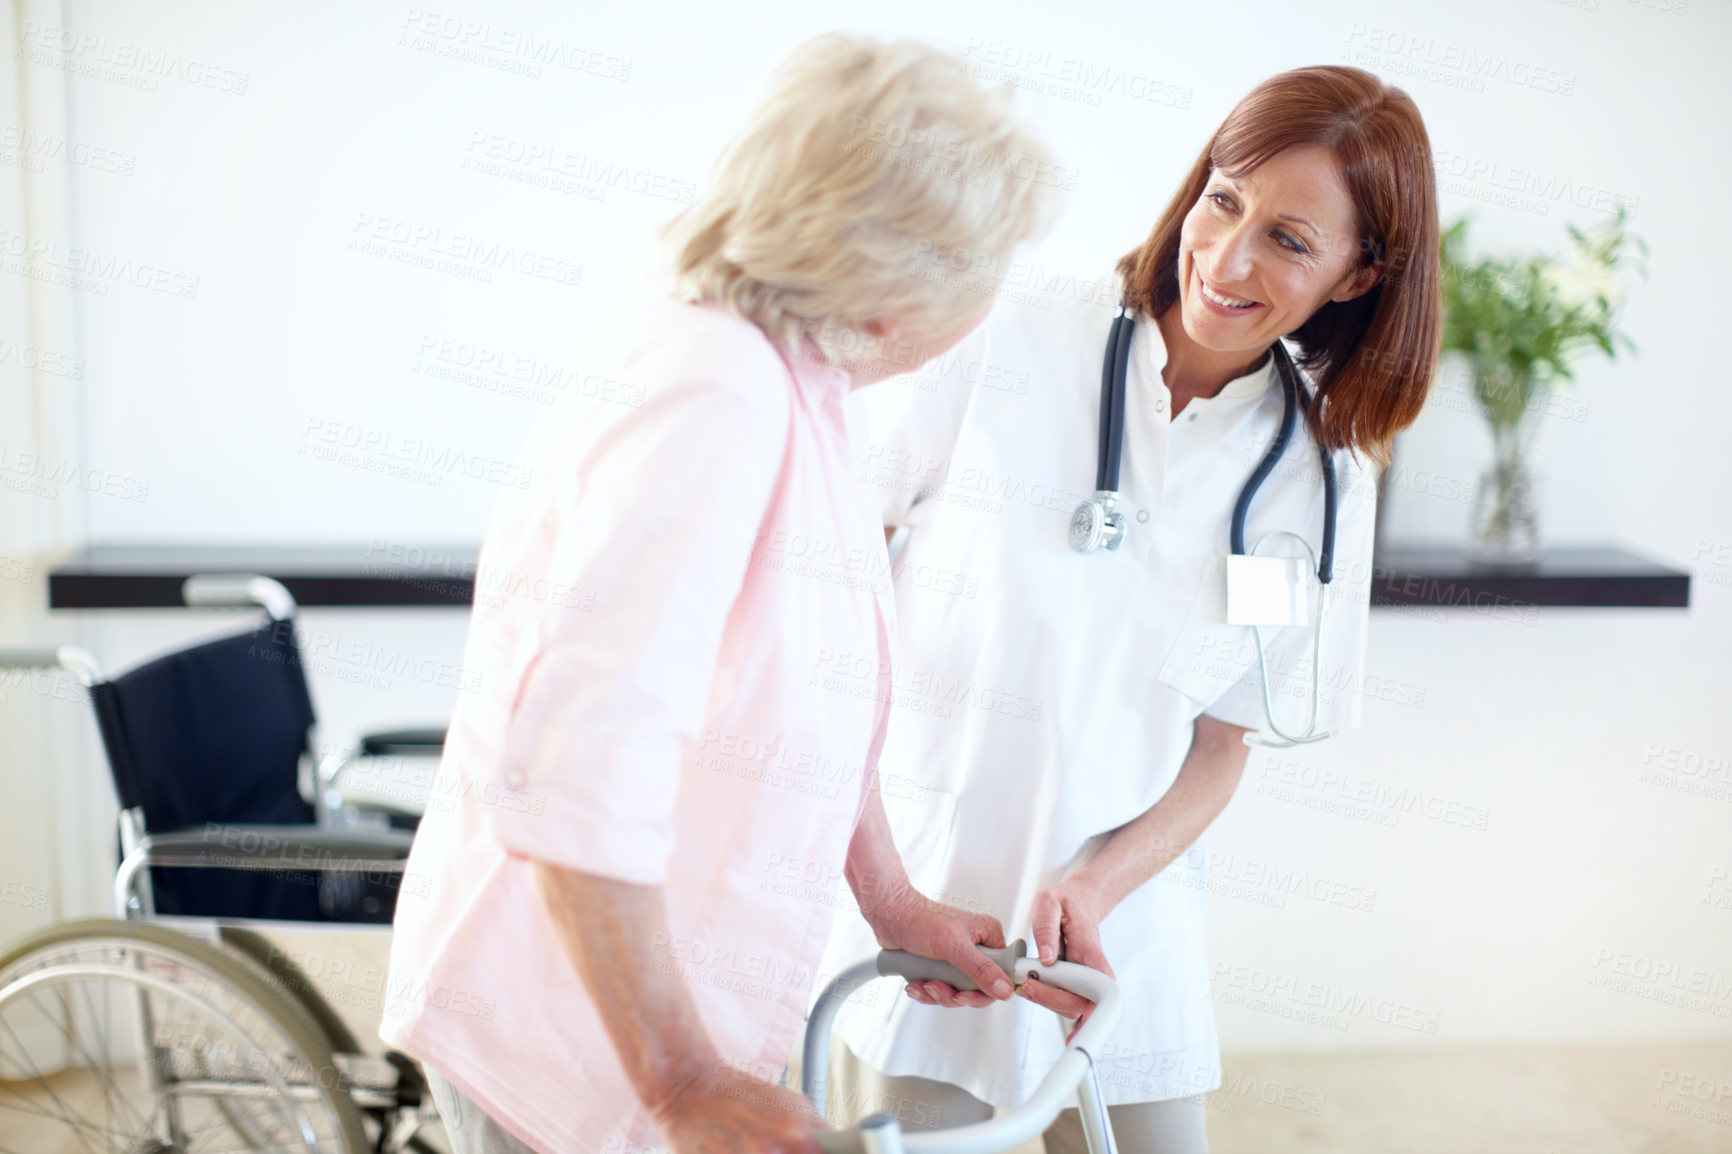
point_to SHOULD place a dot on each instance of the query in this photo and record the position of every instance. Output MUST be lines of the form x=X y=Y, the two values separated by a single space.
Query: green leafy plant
x=1523 y=319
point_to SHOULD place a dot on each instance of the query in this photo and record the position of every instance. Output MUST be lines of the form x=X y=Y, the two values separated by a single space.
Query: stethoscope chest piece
x=1096 y=524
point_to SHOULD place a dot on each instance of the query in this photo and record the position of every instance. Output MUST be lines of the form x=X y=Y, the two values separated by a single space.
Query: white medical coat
x=1045 y=697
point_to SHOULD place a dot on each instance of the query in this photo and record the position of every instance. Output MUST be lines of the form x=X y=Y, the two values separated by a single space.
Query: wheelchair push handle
x=68 y=657
x=238 y=591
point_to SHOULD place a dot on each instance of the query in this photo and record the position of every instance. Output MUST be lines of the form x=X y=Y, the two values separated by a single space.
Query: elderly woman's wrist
x=683 y=1077
x=885 y=898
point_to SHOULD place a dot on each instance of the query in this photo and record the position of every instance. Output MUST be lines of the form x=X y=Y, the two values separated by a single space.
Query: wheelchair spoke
x=30 y=1108
x=112 y=1095
x=228 y=1063
x=65 y=1113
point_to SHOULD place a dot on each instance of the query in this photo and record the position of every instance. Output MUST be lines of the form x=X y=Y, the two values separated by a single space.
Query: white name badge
x=1266 y=591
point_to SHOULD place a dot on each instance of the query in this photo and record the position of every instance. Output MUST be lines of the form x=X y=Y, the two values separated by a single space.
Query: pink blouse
x=682 y=633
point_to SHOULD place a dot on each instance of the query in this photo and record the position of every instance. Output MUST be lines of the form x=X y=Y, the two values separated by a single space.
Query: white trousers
x=857 y=1089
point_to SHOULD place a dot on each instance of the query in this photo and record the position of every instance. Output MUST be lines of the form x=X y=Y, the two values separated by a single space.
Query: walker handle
x=1070 y=1076
x=914 y=968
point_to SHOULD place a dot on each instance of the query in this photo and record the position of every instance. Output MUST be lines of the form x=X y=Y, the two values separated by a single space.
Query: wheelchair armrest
x=276 y=847
x=427 y=742
x=403 y=741
x=264 y=847
x=372 y=808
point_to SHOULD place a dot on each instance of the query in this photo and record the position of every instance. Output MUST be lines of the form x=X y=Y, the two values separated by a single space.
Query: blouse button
x=1142 y=514
x=1193 y=416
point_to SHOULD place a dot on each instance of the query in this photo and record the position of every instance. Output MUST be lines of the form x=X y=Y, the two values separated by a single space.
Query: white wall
x=277 y=136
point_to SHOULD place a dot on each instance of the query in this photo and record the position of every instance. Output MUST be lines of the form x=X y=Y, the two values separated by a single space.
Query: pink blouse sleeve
x=657 y=529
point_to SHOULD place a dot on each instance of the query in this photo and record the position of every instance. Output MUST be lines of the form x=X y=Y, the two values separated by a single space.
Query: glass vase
x=1505 y=526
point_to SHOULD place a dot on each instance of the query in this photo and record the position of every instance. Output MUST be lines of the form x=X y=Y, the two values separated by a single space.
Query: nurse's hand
x=1066 y=922
x=731 y=1113
x=907 y=919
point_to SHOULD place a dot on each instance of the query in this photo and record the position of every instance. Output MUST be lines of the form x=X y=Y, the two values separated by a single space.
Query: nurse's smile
x=1222 y=302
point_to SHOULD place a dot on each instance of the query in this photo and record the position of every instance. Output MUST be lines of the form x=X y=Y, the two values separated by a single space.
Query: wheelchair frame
x=342 y=840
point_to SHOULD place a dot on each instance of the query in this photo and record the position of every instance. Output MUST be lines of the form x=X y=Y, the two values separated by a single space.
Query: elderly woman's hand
x=903 y=918
x=732 y=1113
x=906 y=919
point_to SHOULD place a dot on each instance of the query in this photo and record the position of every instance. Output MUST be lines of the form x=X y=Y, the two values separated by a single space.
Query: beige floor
x=1662 y=1099
x=1657 y=1099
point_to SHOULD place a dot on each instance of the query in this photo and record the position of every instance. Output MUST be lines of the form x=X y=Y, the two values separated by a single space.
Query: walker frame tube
x=1073 y=1073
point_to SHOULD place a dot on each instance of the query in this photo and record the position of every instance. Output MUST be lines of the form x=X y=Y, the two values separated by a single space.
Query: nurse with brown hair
x=1075 y=721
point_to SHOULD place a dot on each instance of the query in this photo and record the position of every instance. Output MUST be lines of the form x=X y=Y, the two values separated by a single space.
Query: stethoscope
x=1098 y=524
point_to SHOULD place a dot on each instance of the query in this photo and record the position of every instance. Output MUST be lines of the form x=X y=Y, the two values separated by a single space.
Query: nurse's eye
x=1221 y=200
x=1291 y=243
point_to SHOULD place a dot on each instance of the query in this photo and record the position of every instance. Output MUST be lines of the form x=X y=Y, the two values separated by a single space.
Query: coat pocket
x=923 y=822
x=1209 y=656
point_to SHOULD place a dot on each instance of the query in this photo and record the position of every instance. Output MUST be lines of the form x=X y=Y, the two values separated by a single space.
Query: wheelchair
x=178 y=1026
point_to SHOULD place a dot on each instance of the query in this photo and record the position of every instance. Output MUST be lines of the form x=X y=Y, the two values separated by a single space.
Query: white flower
x=1580 y=278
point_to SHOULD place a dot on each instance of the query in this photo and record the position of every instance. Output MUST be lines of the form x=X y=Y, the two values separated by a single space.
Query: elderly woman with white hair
x=612 y=935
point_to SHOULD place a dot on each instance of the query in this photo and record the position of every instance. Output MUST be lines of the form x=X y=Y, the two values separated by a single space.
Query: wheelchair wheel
x=131 y=1038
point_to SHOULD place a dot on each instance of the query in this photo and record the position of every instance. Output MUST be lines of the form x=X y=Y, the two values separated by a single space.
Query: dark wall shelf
x=1603 y=577
x=145 y=577
x=149 y=577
